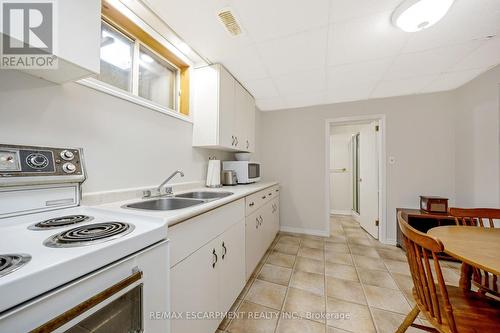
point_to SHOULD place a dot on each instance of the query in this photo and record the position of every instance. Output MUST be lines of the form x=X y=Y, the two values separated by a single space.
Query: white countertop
x=172 y=217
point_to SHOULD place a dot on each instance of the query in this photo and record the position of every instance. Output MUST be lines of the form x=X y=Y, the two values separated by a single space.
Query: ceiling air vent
x=229 y=21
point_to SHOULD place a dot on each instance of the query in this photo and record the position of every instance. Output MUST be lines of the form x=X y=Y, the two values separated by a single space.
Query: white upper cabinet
x=224 y=112
x=76 y=40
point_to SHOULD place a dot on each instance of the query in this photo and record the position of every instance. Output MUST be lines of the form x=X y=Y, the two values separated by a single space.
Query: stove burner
x=11 y=262
x=59 y=222
x=89 y=234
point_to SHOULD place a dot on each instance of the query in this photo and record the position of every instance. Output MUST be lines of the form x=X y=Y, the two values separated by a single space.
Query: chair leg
x=410 y=318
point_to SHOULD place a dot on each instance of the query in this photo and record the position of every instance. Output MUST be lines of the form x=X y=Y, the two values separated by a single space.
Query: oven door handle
x=88 y=304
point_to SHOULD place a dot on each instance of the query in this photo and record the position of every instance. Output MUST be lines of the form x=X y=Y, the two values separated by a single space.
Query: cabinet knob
x=215 y=258
x=263 y=197
x=248 y=144
x=236 y=138
x=252 y=204
x=232 y=142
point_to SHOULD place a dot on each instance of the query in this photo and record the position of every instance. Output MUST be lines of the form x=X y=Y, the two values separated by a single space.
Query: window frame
x=142 y=35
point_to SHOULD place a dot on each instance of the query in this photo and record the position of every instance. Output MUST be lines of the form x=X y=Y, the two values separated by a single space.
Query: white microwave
x=247 y=172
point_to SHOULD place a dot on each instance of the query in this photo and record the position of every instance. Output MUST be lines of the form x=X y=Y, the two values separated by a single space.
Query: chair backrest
x=420 y=248
x=478 y=217
x=475 y=216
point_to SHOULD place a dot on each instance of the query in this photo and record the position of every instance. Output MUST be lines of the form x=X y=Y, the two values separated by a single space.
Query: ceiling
x=296 y=53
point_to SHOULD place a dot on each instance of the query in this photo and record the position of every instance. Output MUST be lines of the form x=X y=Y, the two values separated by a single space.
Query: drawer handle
x=263 y=197
x=251 y=204
x=257 y=224
x=215 y=258
x=277 y=190
x=270 y=194
x=225 y=250
x=261 y=219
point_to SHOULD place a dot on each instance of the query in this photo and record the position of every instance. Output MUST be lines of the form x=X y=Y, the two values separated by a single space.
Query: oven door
x=117 y=298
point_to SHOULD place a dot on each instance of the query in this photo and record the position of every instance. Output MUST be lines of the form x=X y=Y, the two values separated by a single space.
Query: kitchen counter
x=172 y=217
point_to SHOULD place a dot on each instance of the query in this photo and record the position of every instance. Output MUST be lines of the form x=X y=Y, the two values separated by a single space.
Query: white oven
x=125 y=296
x=247 y=172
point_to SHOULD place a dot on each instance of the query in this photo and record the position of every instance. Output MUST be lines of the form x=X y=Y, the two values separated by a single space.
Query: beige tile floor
x=302 y=278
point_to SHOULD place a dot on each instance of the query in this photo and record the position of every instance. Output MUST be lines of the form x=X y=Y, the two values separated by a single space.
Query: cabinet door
x=268 y=228
x=226 y=108
x=231 y=265
x=276 y=218
x=239 y=121
x=194 y=287
x=253 y=241
x=249 y=144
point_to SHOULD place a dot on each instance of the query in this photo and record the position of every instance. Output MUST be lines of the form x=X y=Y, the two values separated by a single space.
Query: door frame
x=382 y=204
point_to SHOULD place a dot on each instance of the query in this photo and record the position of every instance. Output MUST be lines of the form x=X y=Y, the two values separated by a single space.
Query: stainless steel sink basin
x=165 y=204
x=204 y=195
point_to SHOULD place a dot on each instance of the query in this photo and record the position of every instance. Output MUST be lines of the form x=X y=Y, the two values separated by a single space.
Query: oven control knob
x=69 y=167
x=37 y=161
x=67 y=155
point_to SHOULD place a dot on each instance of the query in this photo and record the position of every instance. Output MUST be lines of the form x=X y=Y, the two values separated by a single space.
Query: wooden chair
x=479 y=217
x=449 y=309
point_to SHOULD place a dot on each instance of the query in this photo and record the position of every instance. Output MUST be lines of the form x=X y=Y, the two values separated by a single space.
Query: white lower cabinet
x=261 y=226
x=208 y=281
x=194 y=288
x=231 y=265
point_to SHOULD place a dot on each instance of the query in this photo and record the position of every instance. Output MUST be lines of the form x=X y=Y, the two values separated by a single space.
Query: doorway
x=356 y=171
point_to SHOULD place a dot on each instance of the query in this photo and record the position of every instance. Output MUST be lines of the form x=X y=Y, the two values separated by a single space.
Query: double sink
x=179 y=201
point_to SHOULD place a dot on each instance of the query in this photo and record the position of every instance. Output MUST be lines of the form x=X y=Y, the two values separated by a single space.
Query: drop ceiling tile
x=453 y=80
x=273 y=103
x=244 y=62
x=487 y=55
x=295 y=53
x=264 y=19
x=342 y=10
x=207 y=35
x=429 y=62
x=369 y=38
x=402 y=87
x=466 y=20
x=367 y=71
x=301 y=100
x=310 y=81
x=349 y=91
x=262 y=88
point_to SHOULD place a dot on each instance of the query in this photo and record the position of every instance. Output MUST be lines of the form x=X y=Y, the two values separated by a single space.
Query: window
x=137 y=67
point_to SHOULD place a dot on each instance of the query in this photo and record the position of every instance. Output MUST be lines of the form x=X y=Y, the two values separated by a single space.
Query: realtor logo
x=28 y=34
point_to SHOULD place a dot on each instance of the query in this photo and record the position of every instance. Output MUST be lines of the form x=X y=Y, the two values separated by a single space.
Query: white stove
x=56 y=256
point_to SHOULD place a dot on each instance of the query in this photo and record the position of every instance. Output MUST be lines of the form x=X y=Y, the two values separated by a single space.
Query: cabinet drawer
x=259 y=199
x=189 y=236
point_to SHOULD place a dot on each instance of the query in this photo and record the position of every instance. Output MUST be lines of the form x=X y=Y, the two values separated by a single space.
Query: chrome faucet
x=168 y=189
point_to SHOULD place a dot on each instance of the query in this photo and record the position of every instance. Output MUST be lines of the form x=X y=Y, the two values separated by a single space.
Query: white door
x=368 y=165
x=340 y=173
x=232 y=268
x=194 y=288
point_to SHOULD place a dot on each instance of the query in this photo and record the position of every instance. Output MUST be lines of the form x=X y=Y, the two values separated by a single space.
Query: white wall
x=420 y=134
x=477 y=141
x=125 y=145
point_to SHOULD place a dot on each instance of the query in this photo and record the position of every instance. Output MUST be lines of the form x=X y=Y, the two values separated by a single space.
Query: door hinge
x=376 y=223
x=377 y=128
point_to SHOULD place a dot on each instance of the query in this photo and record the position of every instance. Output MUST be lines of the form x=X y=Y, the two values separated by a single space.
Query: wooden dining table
x=474 y=246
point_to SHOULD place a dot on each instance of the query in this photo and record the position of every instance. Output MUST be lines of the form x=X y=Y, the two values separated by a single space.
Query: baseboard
x=305 y=231
x=340 y=212
x=356 y=216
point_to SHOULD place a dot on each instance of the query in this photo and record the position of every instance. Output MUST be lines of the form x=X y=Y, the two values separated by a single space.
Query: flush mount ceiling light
x=416 y=15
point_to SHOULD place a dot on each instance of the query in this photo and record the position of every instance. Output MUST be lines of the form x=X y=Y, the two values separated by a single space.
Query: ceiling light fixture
x=416 y=15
